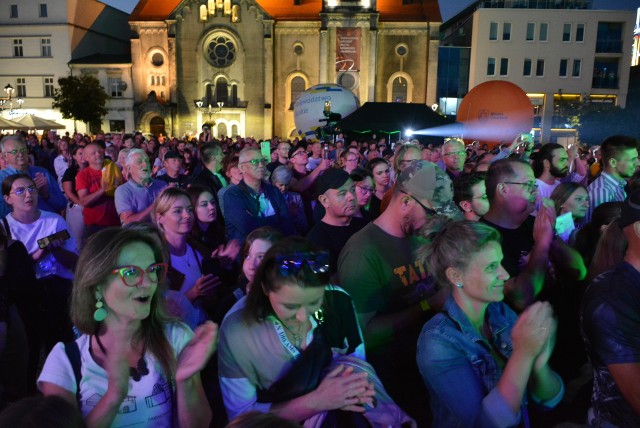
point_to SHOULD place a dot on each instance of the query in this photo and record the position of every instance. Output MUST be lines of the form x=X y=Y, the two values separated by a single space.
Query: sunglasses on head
x=291 y=264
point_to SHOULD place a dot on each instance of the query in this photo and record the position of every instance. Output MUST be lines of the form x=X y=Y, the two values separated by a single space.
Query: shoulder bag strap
x=73 y=353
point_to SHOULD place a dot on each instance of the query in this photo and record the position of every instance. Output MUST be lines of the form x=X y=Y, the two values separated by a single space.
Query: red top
x=103 y=211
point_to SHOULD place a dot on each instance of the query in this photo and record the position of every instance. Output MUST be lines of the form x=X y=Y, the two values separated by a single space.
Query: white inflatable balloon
x=308 y=110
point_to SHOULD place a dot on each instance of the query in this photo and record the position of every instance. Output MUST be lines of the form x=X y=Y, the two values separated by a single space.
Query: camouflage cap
x=425 y=181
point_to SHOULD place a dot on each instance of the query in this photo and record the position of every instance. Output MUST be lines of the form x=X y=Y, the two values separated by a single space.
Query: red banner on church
x=347 y=49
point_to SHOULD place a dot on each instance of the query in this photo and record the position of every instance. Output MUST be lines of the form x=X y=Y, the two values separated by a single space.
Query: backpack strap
x=73 y=353
x=7 y=229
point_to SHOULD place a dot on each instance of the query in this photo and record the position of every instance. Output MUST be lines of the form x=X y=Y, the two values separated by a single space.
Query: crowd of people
x=223 y=282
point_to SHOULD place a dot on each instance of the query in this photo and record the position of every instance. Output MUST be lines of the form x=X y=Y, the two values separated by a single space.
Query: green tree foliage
x=80 y=98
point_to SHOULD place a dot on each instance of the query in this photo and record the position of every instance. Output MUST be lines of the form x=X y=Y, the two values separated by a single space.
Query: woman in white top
x=131 y=366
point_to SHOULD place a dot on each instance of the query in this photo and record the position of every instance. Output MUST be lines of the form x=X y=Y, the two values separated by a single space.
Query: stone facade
x=246 y=61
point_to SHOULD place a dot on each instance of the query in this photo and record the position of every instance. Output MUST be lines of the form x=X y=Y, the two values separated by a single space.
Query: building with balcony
x=562 y=53
x=43 y=40
x=240 y=65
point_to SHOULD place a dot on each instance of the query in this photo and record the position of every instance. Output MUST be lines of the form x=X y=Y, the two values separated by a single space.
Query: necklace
x=297 y=337
x=135 y=373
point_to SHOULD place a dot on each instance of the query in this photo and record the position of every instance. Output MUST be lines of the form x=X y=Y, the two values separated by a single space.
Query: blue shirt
x=461 y=374
x=56 y=201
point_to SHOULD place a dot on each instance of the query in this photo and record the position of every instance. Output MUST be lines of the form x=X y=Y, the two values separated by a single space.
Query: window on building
x=43 y=10
x=45 y=47
x=579 y=32
x=526 y=69
x=504 y=66
x=506 y=31
x=399 y=90
x=566 y=33
x=564 y=63
x=493 y=31
x=544 y=29
x=115 y=87
x=610 y=37
x=222 y=91
x=297 y=88
x=577 y=66
x=164 y=80
x=531 y=31
x=14 y=11
x=491 y=67
x=48 y=87
x=21 y=87
x=17 y=47
x=540 y=68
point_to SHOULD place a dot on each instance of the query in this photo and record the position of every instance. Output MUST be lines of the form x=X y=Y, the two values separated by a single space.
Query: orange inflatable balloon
x=495 y=112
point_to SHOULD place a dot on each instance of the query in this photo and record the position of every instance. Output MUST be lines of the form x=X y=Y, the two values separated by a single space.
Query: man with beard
x=336 y=191
x=528 y=242
x=619 y=162
x=551 y=167
x=134 y=199
x=390 y=288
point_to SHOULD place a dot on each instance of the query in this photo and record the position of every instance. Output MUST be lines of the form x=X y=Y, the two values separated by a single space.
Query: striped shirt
x=605 y=188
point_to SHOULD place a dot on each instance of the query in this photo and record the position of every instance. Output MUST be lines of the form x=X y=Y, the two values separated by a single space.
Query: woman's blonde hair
x=164 y=201
x=452 y=244
x=94 y=269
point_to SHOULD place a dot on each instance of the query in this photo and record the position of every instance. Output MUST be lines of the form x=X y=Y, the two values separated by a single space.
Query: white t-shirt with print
x=148 y=402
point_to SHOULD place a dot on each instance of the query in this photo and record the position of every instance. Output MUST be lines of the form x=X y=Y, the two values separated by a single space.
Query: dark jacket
x=242 y=211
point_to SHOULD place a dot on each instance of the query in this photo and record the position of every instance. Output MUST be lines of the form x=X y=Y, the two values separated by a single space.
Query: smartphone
x=265 y=149
x=63 y=235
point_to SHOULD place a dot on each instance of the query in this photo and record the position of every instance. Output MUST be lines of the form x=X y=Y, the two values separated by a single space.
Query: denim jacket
x=461 y=374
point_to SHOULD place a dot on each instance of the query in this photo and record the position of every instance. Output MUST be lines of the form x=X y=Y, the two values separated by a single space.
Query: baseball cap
x=295 y=149
x=334 y=178
x=630 y=210
x=172 y=154
x=426 y=182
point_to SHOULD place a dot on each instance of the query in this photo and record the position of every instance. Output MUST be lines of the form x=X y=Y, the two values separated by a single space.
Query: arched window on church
x=234 y=130
x=297 y=88
x=399 y=90
x=164 y=80
x=222 y=91
x=209 y=95
x=234 y=96
x=153 y=80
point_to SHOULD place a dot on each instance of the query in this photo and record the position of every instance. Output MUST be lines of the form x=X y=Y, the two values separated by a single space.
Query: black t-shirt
x=181 y=181
x=516 y=245
x=610 y=325
x=334 y=238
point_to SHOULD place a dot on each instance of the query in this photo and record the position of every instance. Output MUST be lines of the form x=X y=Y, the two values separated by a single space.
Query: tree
x=80 y=98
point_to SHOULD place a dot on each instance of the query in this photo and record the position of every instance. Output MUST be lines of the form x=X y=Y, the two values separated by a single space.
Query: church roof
x=306 y=10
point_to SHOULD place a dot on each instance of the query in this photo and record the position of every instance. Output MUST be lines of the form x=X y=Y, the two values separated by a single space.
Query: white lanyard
x=282 y=335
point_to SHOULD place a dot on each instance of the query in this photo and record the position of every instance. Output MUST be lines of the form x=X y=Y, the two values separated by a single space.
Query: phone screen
x=265 y=149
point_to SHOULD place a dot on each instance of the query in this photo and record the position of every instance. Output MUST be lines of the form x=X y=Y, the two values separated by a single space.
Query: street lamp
x=9 y=99
x=208 y=111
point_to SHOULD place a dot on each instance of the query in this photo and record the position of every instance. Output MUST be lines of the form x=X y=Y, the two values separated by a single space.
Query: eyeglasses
x=430 y=211
x=14 y=152
x=21 y=191
x=365 y=189
x=302 y=152
x=529 y=186
x=256 y=162
x=291 y=264
x=133 y=275
x=457 y=154
x=483 y=197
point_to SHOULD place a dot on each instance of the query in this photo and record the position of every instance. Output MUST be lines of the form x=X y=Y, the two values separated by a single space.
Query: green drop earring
x=100 y=313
